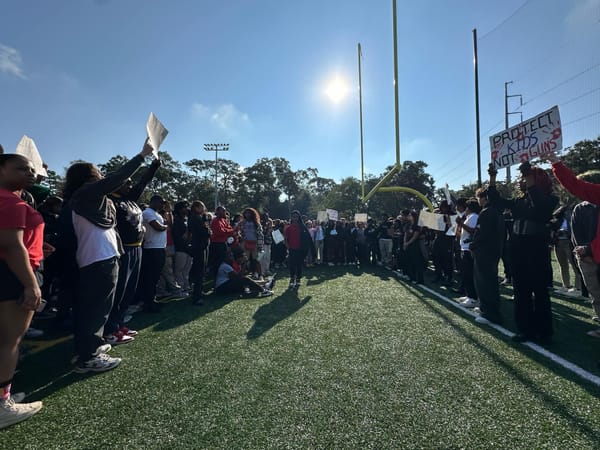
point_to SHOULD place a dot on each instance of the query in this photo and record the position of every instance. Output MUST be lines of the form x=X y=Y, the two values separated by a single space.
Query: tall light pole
x=216 y=148
x=362 y=154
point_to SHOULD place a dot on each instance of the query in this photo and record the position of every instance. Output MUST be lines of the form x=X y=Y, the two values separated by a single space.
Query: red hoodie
x=581 y=189
x=221 y=230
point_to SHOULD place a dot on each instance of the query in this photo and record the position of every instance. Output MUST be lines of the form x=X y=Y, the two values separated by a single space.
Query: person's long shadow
x=269 y=315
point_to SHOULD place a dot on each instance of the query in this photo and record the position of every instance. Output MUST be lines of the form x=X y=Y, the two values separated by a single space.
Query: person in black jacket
x=98 y=251
x=199 y=228
x=486 y=248
x=532 y=212
x=131 y=232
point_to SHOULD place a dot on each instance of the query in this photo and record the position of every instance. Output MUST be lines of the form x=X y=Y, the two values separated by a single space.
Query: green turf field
x=350 y=360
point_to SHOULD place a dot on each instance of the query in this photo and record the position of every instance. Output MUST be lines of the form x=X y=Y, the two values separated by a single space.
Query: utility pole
x=506 y=114
x=477 y=138
x=216 y=148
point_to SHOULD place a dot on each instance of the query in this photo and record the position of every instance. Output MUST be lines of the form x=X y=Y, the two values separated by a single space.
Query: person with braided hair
x=532 y=212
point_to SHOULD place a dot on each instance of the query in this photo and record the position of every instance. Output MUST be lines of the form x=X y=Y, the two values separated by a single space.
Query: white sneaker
x=477 y=310
x=470 y=303
x=265 y=293
x=463 y=298
x=100 y=363
x=11 y=412
x=573 y=292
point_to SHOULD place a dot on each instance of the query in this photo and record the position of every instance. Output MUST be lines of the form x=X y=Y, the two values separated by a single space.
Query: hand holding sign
x=148 y=149
x=156 y=133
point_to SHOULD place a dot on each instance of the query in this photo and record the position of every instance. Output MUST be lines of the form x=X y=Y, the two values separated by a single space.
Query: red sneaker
x=127 y=332
x=118 y=338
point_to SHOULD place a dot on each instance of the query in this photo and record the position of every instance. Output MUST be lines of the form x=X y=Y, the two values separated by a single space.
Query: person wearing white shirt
x=153 y=254
x=468 y=224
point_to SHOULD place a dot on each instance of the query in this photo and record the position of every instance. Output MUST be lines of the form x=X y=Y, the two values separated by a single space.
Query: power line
x=581 y=118
x=505 y=20
x=585 y=94
x=472 y=144
x=562 y=83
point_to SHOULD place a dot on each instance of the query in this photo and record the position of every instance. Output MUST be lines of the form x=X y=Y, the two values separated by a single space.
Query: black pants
x=415 y=262
x=197 y=272
x=130 y=265
x=533 y=311
x=153 y=261
x=296 y=260
x=485 y=275
x=237 y=285
x=94 y=301
x=442 y=255
x=468 y=282
x=217 y=254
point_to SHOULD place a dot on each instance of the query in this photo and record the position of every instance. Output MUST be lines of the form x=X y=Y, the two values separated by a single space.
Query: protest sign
x=156 y=132
x=333 y=214
x=27 y=148
x=277 y=237
x=528 y=140
x=322 y=216
x=361 y=217
x=433 y=221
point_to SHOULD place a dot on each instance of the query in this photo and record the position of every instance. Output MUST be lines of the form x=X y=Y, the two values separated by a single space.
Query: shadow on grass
x=553 y=403
x=269 y=315
x=47 y=371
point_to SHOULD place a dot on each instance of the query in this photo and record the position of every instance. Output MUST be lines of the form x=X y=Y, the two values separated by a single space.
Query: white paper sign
x=277 y=237
x=27 y=148
x=322 y=216
x=156 y=132
x=528 y=140
x=452 y=230
x=361 y=217
x=433 y=221
x=333 y=214
x=447 y=194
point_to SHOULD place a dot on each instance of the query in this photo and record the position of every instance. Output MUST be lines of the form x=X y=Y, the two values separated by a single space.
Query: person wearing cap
x=532 y=213
x=230 y=277
x=153 y=254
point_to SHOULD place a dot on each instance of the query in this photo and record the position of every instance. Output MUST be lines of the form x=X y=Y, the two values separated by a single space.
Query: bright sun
x=337 y=89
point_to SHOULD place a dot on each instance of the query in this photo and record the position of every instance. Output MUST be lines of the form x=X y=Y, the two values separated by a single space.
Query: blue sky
x=81 y=76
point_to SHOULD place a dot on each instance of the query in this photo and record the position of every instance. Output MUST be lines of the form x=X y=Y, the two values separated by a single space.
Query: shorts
x=10 y=286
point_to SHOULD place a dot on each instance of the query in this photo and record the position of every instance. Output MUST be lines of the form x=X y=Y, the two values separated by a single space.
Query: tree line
x=270 y=184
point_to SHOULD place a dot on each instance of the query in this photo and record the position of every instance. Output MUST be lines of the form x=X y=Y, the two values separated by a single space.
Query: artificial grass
x=350 y=360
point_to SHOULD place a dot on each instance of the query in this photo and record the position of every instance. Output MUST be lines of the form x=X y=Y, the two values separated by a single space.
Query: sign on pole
x=528 y=140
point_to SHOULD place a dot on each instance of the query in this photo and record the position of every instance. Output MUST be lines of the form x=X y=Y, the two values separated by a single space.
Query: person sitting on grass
x=231 y=278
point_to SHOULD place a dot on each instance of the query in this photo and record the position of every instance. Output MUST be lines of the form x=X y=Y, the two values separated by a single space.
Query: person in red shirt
x=221 y=231
x=298 y=243
x=21 y=252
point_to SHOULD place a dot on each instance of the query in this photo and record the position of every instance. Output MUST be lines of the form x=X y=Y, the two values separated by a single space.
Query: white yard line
x=582 y=373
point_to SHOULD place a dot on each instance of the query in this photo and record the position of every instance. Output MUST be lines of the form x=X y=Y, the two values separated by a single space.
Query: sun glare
x=337 y=89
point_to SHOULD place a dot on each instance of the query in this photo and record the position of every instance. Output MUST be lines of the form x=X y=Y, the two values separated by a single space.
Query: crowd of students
x=100 y=256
